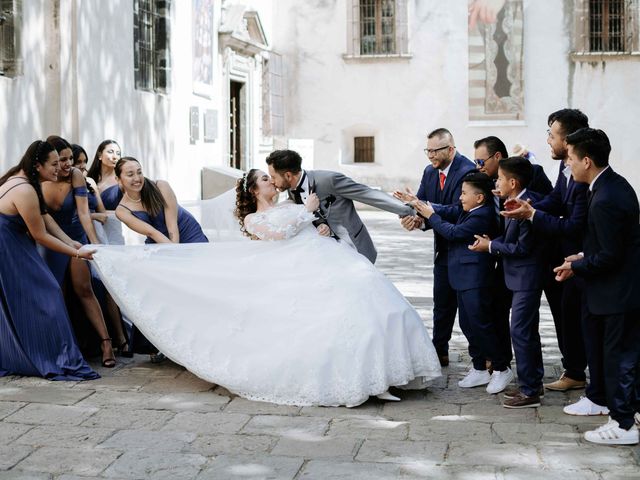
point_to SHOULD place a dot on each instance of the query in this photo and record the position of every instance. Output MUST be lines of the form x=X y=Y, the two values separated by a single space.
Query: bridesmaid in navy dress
x=151 y=209
x=36 y=338
x=102 y=172
x=66 y=199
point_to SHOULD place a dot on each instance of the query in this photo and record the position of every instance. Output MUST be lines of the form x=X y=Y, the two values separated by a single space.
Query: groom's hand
x=324 y=230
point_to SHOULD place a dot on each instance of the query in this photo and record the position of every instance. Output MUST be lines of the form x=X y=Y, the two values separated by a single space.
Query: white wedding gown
x=299 y=321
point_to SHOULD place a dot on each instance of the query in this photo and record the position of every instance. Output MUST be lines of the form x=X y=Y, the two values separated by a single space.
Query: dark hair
x=519 y=168
x=493 y=145
x=441 y=132
x=592 y=143
x=95 y=170
x=151 y=196
x=482 y=182
x=246 y=202
x=58 y=143
x=37 y=153
x=285 y=161
x=570 y=119
x=77 y=151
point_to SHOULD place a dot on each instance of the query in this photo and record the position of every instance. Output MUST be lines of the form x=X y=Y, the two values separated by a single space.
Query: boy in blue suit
x=525 y=266
x=470 y=275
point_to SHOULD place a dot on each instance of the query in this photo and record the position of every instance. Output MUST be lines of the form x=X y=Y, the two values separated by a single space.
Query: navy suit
x=524 y=260
x=562 y=214
x=444 y=296
x=539 y=183
x=470 y=274
x=612 y=288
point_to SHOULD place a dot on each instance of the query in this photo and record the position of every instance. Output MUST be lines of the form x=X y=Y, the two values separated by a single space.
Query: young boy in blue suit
x=524 y=258
x=470 y=275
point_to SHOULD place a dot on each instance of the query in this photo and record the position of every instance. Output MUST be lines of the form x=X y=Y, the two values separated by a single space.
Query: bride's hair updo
x=246 y=202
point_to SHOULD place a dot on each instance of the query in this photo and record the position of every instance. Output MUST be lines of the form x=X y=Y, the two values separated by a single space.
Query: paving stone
x=322 y=447
x=474 y=453
x=147 y=369
x=450 y=429
x=423 y=410
x=594 y=457
x=190 y=402
x=366 y=410
x=134 y=400
x=125 y=418
x=16 y=381
x=491 y=412
x=378 y=427
x=415 y=470
x=64 y=437
x=80 y=461
x=156 y=465
x=185 y=382
x=114 y=383
x=529 y=473
x=395 y=451
x=242 y=405
x=11 y=455
x=10 y=431
x=223 y=444
x=252 y=466
x=331 y=470
x=553 y=414
x=7 y=408
x=45 y=414
x=541 y=434
x=127 y=440
x=22 y=475
x=207 y=423
x=42 y=394
x=302 y=428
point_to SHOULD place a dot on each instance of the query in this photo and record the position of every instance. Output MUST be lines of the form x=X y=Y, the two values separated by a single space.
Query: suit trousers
x=445 y=306
x=525 y=335
x=613 y=356
x=569 y=330
x=500 y=310
x=477 y=325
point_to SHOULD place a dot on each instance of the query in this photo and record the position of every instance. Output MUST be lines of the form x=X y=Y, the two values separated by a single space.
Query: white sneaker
x=585 y=407
x=612 y=434
x=475 y=378
x=636 y=418
x=499 y=380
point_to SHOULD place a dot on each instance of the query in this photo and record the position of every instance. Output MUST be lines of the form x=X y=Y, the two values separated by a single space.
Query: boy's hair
x=592 y=143
x=481 y=182
x=517 y=167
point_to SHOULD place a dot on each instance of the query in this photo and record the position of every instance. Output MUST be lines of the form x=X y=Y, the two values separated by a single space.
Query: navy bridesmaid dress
x=111 y=197
x=36 y=338
x=67 y=219
x=188 y=227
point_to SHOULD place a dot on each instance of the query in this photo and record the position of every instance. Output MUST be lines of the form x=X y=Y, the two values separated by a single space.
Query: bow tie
x=297 y=190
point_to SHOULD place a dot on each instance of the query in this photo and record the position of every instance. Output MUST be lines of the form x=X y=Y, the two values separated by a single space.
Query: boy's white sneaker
x=585 y=407
x=499 y=380
x=475 y=378
x=612 y=434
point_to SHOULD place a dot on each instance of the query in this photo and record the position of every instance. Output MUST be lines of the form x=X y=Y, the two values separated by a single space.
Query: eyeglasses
x=480 y=162
x=433 y=151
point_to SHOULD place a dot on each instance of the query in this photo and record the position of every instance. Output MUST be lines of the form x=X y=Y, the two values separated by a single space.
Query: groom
x=336 y=193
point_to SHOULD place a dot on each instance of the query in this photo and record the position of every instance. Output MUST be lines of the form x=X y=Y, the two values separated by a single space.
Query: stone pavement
x=159 y=421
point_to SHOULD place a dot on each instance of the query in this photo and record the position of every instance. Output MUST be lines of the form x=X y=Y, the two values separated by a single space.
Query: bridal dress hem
x=297 y=321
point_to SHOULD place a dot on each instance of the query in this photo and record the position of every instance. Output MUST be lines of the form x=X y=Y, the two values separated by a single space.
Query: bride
x=297 y=319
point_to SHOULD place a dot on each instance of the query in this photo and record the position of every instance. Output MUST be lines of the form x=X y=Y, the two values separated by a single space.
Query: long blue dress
x=36 y=338
x=67 y=219
x=111 y=197
x=188 y=227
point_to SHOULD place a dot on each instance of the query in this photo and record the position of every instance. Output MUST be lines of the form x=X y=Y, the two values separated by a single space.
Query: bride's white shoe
x=388 y=397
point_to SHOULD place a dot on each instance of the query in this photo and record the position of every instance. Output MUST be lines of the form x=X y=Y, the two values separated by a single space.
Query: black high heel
x=128 y=353
x=108 y=362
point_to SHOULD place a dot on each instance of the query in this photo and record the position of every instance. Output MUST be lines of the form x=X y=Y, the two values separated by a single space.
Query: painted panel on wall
x=203 y=47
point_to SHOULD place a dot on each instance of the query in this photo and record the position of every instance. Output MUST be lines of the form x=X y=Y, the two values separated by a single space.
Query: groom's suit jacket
x=337 y=193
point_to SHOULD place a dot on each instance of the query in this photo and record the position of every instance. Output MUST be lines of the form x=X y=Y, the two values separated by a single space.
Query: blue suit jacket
x=611 y=262
x=540 y=183
x=429 y=191
x=467 y=269
x=563 y=214
x=524 y=254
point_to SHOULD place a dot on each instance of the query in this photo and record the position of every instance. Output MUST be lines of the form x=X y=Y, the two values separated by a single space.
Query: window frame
x=11 y=26
x=152 y=45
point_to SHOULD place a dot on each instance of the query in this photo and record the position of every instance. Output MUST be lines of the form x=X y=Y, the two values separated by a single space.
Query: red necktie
x=442 y=179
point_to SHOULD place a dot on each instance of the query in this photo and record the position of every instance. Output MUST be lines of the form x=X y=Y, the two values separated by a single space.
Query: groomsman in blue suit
x=525 y=263
x=562 y=215
x=441 y=183
x=471 y=276
x=609 y=265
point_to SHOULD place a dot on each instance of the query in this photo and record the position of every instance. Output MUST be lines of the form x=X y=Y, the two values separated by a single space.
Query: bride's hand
x=313 y=202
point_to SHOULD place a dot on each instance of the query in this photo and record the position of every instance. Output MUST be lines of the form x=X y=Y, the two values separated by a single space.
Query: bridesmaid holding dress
x=102 y=172
x=36 y=338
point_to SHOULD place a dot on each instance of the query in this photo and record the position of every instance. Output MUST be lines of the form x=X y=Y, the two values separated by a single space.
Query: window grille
x=152 y=40
x=607 y=25
x=364 y=150
x=10 y=27
x=378 y=28
x=272 y=95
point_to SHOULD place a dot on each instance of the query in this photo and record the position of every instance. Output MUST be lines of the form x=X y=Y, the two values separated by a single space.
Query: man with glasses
x=441 y=183
x=563 y=214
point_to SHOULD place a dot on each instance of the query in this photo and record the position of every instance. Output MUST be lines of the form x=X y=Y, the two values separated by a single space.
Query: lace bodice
x=279 y=223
